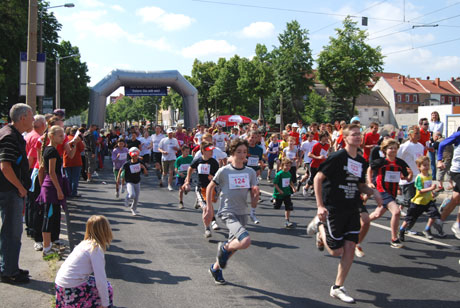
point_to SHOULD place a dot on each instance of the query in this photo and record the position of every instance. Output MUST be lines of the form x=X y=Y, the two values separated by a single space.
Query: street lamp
x=58 y=78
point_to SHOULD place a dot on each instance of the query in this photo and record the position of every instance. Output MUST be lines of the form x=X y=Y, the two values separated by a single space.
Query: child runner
x=156 y=153
x=81 y=280
x=235 y=181
x=206 y=167
x=273 y=152
x=318 y=155
x=292 y=153
x=132 y=170
x=306 y=147
x=283 y=189
x=254 y=161
x=338 y=184
x=119 y=157
x=370 y=140
x=390 y=170
x=181 y=165
x=423 y=202
x=168 y=147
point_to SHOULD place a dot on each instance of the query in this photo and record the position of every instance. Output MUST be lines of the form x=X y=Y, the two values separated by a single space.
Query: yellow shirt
x=422 y=182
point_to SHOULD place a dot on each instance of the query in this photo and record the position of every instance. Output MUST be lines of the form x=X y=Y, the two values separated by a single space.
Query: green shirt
x=422 y=182
x=182 y=164
x=283 y=180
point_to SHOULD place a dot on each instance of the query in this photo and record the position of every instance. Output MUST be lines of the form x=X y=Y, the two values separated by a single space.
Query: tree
x=292 y=62
x=348 y=63
x=315 y=108
x=204 y=75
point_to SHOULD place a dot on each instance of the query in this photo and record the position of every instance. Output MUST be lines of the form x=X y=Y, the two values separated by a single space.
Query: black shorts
x=293 y=172
x=342 y=225
x=455 y=177
x=415 y=210
x=180 y=181
x=313 y=172
x=146 y=158
x=363 y=209
x=156 y=157
x=287 y=203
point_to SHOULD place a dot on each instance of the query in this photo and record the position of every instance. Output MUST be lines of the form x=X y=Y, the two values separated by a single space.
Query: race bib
x=290 y=155
x=427 y=184
x=275 y=149
x=135 y=168
x=238 y=181
x=253 y=161
x=285 y=182
x=354 y=167
x=392 y=176
x=204 y=168
x=184 y=167
x=323 y=152
x=123 y=156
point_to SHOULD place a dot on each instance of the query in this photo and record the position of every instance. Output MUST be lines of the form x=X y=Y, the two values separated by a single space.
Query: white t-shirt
x=306 y=148
x=199 y=136
x=220 y=140
x=409 y=152
x=168 y=145
x=156 y=141
x=146 y=142
x=80 y=264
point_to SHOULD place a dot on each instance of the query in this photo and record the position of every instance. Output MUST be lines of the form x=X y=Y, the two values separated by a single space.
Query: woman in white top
x=146 y=143
x=81 y=280
x=435 y=124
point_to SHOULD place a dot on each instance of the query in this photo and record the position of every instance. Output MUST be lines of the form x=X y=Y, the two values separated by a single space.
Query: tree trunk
x=261 y=108
x=353 y=107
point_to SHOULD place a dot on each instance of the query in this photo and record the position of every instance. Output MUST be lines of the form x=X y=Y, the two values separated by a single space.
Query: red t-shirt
x=424 y=137
x=76 y=160
x=296 y=136
x=318 y=150
x=370 y=138
x=31 y=144
x=316 y=136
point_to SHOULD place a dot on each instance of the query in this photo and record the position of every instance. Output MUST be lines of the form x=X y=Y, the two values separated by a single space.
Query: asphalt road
x=161 y=258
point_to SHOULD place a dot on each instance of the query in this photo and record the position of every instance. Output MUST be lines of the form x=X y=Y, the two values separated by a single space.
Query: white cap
x=295 y=125
x=170 y=130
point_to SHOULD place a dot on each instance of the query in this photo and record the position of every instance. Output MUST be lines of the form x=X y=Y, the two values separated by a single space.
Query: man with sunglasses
x=425 y=135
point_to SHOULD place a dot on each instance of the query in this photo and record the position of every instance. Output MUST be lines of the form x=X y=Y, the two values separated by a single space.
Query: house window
x=399 y=98
x=407 y=98
x=415 y=98
x=457 y=100
x=382 y=113
x=376 y=112
x=443 y=99
x=450 y=99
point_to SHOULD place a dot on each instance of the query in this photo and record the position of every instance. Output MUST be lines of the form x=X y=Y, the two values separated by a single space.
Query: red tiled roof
x=444 y=87
x=410 y=85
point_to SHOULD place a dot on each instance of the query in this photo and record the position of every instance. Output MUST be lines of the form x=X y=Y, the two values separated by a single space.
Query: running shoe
x=312 y=192
x=38 y=246
x=197 y=204
x=207 y=233
x=161 y=183
x=217 y=275
x=222 y=256
x=304 y=192
x=341 y=293
x=181 y=204
x=428 y=234
x=254 y=218
x=456 y=230
x=312 y=227
x=402 y=235
x=288 y=225
x=59 y=243
x=122 y=189
x=439 y=225
x=133 y=212
x=396 y=244
x=214 y=225
x=170 y=188
x=117 y=194
x=319 y=242
x=359 y=252
x=443 y=204
x=47 y=252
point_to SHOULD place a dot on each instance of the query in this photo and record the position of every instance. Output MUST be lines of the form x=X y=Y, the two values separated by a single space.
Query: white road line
x=416 y=237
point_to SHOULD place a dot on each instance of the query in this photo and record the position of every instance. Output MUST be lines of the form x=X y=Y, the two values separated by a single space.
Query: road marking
x=389 y=229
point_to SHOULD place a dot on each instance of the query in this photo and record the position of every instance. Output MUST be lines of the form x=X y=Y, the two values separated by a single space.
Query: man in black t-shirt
x=338 y=184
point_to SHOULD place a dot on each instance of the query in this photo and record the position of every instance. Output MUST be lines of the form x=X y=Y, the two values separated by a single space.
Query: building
x=372 y=108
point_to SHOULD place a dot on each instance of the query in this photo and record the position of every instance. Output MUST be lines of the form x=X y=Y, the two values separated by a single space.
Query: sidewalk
x=39 y=292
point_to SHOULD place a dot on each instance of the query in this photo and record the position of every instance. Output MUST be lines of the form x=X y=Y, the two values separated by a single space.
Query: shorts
x=146 y=158
x=156 y=157
x=313 y=171
x=341 y=225
x=236 y=226
x=180 y=181
x=362 y=209
x=201 y=196
x=386 y=198
x=287 y=203
x=168 y=166
x=271 y=162
x=415 y=210
x=455 y=177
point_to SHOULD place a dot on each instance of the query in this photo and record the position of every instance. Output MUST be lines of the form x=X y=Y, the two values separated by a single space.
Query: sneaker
x=117 y=194
x=38 y=246
x=222 y=257
x=396 y=244
x=319 y=242
x=133 y=212
x=123 y=189
x=254 y=218
x=304 y=192
x=59 y=243
x=428 y=234
x=47 y=252
x=181 y=204
x=341 y=293
x=359 y=252
x=402 y=235
x=438 y=225
x=443 y=204
x=214 y=225
x=170 y=188
x=16 y=279
x=456 y=230
x=312 y=227
x=217 y=275
x=207 y=233
x=288 y=224
x=197 y=204
x=95 y=174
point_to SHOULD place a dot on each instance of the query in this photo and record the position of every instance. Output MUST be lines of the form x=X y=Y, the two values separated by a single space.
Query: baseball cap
x=170 y=130
x=209 y=148
x=295 y=125
x=134 y=151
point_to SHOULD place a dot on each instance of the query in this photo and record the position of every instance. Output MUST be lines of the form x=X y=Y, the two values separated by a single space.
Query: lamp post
x=58 y=78
x=31 y=76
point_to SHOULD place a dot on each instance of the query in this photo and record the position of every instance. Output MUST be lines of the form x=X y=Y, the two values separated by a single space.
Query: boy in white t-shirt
x=306 y=147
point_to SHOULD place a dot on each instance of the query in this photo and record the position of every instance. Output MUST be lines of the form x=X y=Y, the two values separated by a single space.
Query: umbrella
x=231 y=120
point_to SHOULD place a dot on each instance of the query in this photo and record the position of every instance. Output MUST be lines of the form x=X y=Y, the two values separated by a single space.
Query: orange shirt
x=76 y=160
x=424 y=137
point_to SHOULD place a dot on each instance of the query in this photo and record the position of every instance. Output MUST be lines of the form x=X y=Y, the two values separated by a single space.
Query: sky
x=156 y=35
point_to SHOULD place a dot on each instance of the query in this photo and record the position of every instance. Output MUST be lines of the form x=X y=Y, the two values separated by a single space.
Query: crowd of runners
x=340 y=164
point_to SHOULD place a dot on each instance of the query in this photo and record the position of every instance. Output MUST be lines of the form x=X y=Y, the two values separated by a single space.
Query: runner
x=273 y=152
x=370 y=140
x=146 y=144
x=283 y=189
x=220 y=139
x=318 y=155
x=206 y=167
x=306 y=148
x=235 y=181
x=156 y=153
x=168 y=148
x=181 y=166
x=119 y=157
x=338 y=184
x=292 y=153
x=255 y=154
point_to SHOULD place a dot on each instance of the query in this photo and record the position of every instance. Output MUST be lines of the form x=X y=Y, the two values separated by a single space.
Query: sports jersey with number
x=283 y=180
x=133 y=171
x=318 y=150
x=389 y=174
x=204 y=168
x=182 y=164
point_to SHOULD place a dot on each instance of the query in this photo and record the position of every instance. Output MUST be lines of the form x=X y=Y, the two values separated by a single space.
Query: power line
x=428 y=45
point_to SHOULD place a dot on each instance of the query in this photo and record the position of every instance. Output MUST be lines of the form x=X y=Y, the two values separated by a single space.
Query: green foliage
x=129 y=109
x=339 y=110
x=348 y=63
x=204 y=75
x=315 y=108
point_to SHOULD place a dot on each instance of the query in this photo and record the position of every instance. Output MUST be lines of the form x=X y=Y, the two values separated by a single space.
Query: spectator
x=72 y=166
x=90 y=152
x=14 y=183
x=435 y=124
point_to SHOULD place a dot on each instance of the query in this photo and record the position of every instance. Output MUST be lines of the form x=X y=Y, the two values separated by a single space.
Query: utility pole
x=31 y=77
